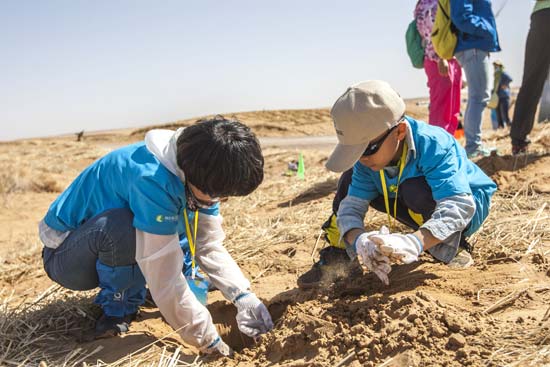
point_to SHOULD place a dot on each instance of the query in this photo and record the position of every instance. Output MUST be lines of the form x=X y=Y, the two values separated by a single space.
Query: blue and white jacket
x=461 y=190
x=145 y=178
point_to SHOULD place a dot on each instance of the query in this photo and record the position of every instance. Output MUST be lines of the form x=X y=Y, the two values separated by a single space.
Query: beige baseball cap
x=363 y=112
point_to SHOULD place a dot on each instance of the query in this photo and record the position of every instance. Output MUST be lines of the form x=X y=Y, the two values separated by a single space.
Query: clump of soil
x=321 y=332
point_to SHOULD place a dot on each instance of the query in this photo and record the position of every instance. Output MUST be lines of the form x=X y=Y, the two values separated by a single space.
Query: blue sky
x=71 y=65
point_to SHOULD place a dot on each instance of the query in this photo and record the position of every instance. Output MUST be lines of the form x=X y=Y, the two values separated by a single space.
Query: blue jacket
x=130 y=177
x=443 y=162
x=475 y=25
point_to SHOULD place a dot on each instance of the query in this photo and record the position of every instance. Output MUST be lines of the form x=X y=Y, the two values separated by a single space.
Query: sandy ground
x=495 y=313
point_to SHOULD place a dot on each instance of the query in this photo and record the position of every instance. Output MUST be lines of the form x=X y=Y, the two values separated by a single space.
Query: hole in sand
x=223 y=315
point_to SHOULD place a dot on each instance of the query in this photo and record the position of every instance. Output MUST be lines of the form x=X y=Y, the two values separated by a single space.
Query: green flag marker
x=301 y=173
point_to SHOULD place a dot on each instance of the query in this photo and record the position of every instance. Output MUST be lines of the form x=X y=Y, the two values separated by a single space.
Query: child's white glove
x=253 y=318
x=219 y=346
x=400 y=248
x=371 y=257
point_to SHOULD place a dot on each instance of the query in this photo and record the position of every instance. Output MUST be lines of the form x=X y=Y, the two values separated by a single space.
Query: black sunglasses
x=194 y=203
x=374 y=146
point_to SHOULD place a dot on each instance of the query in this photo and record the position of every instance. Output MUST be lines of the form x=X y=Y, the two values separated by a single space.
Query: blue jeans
x=476 y=67
x=102 y=253
x=502 y=111
x=494 y=119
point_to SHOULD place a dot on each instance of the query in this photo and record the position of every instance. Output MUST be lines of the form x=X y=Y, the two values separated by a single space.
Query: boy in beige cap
x=415 y=172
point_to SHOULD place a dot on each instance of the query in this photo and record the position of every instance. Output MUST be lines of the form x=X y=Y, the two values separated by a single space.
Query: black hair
x=221 y=157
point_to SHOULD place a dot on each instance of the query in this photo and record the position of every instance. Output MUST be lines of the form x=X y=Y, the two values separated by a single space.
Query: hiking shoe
x=109 y=326
x=334 y=264
x=481 y=152
x=462 y=260
x=516 y=149
x=520 y=147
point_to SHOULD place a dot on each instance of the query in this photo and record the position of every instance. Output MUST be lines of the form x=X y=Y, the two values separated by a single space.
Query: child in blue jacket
x=416 y=173
x=130 y=218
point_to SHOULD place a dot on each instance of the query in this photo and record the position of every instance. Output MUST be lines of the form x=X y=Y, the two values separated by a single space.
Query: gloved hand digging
x=371 y=257
x=400 y=248
x=253 y=318
x=219 y=346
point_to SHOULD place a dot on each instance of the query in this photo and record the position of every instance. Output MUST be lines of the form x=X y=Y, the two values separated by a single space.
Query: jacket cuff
x=351 y=214
x=446 y=251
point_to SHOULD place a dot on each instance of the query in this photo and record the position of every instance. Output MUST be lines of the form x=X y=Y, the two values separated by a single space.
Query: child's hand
x=398 y=247
x=443 y=67
x=253 y=317
x=219 y=347
x=372 y=258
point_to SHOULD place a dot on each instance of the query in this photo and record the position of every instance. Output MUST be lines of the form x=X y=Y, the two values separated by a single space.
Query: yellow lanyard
x=385 y=189
x=191 y=239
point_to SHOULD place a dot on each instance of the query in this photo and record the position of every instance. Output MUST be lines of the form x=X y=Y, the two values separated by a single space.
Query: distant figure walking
x=502 y=88
x=444 y=77
x=535 y=72
x=476 y=38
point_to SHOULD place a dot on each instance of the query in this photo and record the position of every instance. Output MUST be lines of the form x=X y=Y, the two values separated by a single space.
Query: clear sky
x=69 y=65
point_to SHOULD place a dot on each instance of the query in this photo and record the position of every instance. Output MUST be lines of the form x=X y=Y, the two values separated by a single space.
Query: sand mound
x=374 y=328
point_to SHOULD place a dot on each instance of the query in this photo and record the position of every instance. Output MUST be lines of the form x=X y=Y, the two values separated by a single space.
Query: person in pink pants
x=444 y=76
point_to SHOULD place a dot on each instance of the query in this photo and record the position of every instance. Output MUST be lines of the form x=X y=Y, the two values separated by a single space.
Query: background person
x=502 y=86
x=535 y=72
x=476 y=38
x=444 y=77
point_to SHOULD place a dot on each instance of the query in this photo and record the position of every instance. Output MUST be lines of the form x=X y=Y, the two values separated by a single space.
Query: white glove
x=219 y=346
x=253 y=318
x=371 y=257
x=400 y=248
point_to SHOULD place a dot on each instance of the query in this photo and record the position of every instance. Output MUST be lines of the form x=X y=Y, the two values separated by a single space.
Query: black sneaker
x=334 y=264
x=520 y=147
x=109 y=326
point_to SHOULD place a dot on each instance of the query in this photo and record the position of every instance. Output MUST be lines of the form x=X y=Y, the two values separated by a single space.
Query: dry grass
x=41 y=332
x=530 y=349
x=519 y=225
x=41 y=329
x=37 y=331
x=24 y=263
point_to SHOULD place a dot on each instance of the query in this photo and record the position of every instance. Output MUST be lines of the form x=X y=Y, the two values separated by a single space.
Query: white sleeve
x=214 y=259
x=160 y=259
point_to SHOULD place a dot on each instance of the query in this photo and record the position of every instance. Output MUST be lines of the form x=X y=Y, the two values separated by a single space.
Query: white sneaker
x=462 y=260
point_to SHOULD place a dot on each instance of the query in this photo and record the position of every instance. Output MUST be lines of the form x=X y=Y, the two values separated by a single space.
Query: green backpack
x=414 y=46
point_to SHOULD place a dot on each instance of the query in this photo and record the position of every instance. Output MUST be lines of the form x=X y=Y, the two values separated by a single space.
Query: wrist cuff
x=216 y=341
x=417 y=241
x=355 y=243
x=240 y=296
